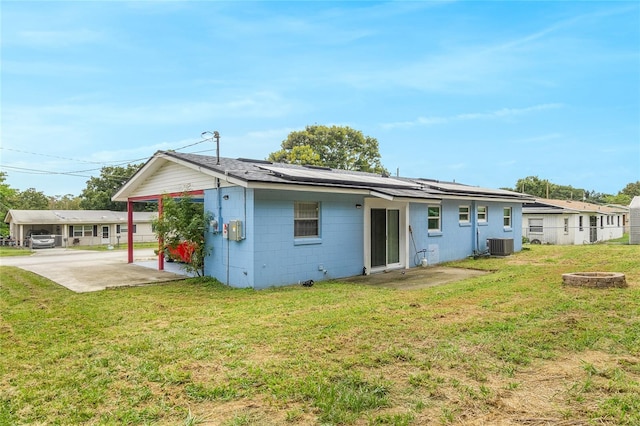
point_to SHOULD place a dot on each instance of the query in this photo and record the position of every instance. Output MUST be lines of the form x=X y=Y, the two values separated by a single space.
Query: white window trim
x=316 y=218
x=510 y=216
x=484 y=219
x=439 y=218
x=535 y=225
x=461 y=213
x=80 y=229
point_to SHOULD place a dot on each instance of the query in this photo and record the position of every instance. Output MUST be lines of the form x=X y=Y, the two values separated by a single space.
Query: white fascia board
x=405 y=199
x=222 y=176
x=471 y=198
x=147 y=170
x=381 y=195
x=229 y=179
x=306 y=188
x=431 y=201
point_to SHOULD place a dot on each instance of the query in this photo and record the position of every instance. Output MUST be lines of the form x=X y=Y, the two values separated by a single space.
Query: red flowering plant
x=181 y=228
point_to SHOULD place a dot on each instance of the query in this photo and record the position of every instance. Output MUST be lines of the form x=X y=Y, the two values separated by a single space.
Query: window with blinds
x=306 y=219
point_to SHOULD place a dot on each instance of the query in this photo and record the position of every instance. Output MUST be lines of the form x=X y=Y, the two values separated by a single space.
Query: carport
x=179 y=179
x=86 y=271
x=157 y=198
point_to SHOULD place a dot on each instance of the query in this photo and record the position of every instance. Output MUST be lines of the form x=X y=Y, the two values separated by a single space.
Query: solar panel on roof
x=468 y=188
x=250 y=160
x=333 y=176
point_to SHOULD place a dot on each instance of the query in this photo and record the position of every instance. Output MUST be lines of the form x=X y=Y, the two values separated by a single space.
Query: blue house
x=277 y=224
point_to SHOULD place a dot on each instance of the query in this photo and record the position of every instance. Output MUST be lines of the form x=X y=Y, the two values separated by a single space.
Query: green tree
x=338 y=147
x=543 y=188
x=620 y=199
x=7 y=197
x=97 y=195
x=184 y=220
x=64 y=202
x=625 y=195
x=30 y=199
x=632 y=189
x=533 y=185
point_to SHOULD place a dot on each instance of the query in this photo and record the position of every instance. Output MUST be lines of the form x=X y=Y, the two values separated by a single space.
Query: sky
x=481 y=93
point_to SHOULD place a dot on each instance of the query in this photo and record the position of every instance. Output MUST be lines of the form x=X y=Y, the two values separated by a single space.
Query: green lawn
x=14 y=251
x=511 y=347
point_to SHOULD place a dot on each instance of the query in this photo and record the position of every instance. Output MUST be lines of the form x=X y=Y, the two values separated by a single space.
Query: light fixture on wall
x=358 y=206
x=226 y=197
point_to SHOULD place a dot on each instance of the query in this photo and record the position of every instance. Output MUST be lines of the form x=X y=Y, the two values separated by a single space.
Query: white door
x=105 y=235
x=385 y=234
x=385 y=237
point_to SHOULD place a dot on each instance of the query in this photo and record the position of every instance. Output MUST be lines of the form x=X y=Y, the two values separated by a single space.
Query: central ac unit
x=500 y=246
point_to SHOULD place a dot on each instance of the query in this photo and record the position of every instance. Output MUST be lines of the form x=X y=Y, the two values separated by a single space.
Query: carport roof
x=46 y=217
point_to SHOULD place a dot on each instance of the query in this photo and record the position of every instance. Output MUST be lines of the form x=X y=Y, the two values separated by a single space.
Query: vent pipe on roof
x=213 y=135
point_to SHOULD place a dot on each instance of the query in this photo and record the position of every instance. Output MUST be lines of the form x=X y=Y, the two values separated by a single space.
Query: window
x=82 y=230
x=535 y=226
x=306 y=219
x=482 y=213
x=580 y=224
x=463 y=214
x=434 y=218
x=122 y=229
x=566 y=225
x=507 y=217
x=601 y=222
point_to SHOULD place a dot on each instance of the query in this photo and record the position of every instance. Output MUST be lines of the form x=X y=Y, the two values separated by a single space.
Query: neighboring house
x=277 y=224
x=634 y=221
x=80 y=227
x=571 y=222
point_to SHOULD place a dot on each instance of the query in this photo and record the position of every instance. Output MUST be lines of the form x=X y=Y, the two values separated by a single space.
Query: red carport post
x=160 y=240
x=130 y=230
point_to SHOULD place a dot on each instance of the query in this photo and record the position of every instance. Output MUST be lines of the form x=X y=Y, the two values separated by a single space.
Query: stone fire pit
x=595 y=279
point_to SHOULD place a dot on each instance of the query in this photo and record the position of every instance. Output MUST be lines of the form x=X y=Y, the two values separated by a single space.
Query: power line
x=77 y=172
x=50 y=156
x=193 y=144
x=42 y=172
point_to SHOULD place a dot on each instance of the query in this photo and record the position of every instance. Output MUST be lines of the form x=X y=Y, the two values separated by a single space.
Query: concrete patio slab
x=84 y=270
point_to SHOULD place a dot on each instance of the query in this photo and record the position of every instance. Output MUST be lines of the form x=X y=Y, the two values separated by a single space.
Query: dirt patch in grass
x=562 y=391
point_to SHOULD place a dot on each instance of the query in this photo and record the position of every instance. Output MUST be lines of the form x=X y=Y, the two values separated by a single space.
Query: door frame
x=593 y=229
x=403 y=234
x=104 y=240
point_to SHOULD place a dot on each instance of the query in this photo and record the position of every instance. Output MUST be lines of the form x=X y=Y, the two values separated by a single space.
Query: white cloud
x=540 y=138
x=57 y=38
x=49 y=69
x=491 y=115
x=260 y=104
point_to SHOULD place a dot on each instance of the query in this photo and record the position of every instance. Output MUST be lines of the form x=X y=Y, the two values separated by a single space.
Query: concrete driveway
x=85 y=270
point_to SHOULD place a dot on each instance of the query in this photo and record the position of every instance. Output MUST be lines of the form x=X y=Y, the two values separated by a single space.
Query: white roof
x=46 y=217
x=544 y=205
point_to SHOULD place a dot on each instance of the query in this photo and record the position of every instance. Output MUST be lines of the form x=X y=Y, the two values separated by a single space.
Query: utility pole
x=213 y=135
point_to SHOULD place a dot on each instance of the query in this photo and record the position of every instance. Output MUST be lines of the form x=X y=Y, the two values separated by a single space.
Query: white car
x=43 y=241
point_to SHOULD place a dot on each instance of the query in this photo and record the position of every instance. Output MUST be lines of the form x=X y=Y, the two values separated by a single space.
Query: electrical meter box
x=235 y=230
